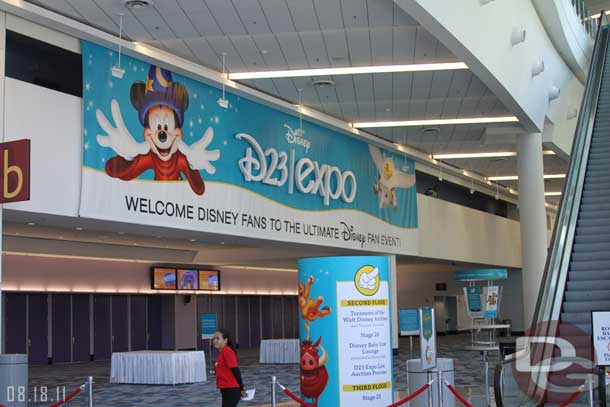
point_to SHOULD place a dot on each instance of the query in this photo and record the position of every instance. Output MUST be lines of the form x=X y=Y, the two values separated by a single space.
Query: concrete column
x=533 y=219
x=394 y=304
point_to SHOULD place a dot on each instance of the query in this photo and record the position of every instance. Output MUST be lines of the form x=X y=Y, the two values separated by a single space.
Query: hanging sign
x=15 y=178
x=474 y=305
x=481 y=275
x=492 y=301
x=601 y=337
x=409 y=321
x=427 y=338
x=162 y=149
x=208 y=325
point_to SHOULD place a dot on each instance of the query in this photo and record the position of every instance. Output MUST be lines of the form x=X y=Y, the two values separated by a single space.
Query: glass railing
x=584 y=15
x=548 y=306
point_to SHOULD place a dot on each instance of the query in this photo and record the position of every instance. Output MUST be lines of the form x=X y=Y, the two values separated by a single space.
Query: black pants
x=230 y=397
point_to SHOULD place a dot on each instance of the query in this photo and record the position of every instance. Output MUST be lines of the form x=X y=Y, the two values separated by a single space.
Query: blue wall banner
x=162 y=149
x=481 y=275
x=345 y=331
x=474 y=304
x=208 y=325
x=409 y=321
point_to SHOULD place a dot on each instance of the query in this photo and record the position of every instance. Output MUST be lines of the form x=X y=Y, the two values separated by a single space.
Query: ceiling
x=595 y=6
x=292 y=34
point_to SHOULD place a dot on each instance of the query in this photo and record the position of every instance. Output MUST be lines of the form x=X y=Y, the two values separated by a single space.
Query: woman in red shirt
x=228 y=376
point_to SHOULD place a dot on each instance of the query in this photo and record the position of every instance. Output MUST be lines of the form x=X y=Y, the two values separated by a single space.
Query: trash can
x=14 y=380
x=417 y=377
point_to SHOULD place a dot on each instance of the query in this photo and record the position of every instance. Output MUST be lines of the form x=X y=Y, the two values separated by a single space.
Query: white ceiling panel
x=271 y=51
x=364 y=96
x=293 y=50
x=383 y=92
x=403 y=83
x=345 y=88
x=92 y=12
x=179 y=48
x=422 y=81
x=132 y=27
x=226 y=17
x=336 y=47
x=404 y=44
x=61 y=6
x=425 y=46
x=358 y=41
x=380 y=15
x=278 y=15
x=451 y=108
x=459 y=84
x=201 y=17
x=434 y=108
x=179 y=23
x=234 y=62
x=303 y=15
x=248 y=52
x=204 y=52
x=417 y=109
x=329 y=14
x=401 y=18
x=155 y=24
x=252 y=16
x=355 y=13
x=382 y=46
x=315 y=49
x=440 y=84
x=287 y=89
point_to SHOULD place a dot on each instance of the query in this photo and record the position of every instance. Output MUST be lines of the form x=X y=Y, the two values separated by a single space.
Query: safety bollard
x=440 y=387
x=591 y=397
x=429 y=377
x=90 y=385
x=273 y=382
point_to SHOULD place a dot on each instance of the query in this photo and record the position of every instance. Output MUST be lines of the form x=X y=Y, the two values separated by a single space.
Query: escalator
x=577 y=274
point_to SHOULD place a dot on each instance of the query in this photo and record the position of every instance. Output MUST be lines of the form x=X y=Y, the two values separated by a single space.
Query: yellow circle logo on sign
x=367 y=280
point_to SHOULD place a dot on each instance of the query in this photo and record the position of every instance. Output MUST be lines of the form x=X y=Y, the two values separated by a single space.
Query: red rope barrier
x=412 y=396
x=458 y=395
x=570 y=399
x=68 y=398
x=295 y=398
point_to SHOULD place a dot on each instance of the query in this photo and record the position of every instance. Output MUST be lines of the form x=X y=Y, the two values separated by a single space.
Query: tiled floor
x=468 y=378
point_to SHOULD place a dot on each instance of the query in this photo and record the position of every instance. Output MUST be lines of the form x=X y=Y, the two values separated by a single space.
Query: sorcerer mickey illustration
x=160 y=104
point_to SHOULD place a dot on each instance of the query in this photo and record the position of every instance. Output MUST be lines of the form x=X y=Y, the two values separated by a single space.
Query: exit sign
x=15 y=168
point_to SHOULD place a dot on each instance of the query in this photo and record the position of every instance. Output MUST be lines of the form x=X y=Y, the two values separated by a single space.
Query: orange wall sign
x=15 y=166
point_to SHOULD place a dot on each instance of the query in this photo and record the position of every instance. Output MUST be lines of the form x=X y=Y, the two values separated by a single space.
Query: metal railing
x=584 y=15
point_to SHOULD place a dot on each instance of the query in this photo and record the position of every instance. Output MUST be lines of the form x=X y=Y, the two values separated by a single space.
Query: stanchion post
x=440 y=387
x=428 y=376
x=486 y=364
x=273 y=382
x=90 y=386
x=591 y=397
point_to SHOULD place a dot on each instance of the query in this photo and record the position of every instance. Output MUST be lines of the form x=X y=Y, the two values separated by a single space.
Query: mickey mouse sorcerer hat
x=159 y=90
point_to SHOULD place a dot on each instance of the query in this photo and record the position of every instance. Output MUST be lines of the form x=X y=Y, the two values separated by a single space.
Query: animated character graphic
x=389 y=179
x=314 y=376
x=492 y=299
x=188 y=280
x=160 y=104
x=310 y=309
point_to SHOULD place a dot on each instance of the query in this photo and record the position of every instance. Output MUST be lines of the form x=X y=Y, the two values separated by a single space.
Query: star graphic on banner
x=87 y=86
x=224 y=142
x=86 y=146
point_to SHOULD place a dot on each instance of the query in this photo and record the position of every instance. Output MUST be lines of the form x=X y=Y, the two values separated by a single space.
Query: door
x=138 y=322
x=15 y=315
x=119 y=323
x=62 y=321
x=81 y=319
x=452 y=315
x=101 y=327
x=154 y=322
x=38 y=329
x=440 y=314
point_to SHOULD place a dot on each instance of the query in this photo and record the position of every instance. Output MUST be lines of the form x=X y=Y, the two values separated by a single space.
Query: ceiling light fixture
x=538 y=68
x=517 y=36
x=554 y=92
x=598 y=15
x=496 y=154
x=437 y=122
x=352 y=70
x=515 y=177
x=137 y=4
x=556 y=193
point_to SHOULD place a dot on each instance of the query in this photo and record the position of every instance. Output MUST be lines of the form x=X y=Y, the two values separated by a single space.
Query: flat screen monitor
x=209 y=280
x=188 y=279
x=163 y=278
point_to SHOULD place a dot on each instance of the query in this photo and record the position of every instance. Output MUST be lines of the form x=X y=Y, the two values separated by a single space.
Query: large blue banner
x=345 y=331
x=160 y=148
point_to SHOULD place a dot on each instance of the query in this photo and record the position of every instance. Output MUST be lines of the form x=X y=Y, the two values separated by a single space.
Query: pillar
x=394 y=305
x=533 y=219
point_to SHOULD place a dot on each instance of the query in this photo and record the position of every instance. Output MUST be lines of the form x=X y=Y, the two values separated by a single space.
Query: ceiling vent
x=137 y=4
x=430 y=130
x=323 y=82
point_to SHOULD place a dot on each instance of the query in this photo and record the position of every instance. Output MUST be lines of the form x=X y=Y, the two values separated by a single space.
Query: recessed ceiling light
x=553 y=193
x=515 y=177
x=121 y=233
x=222 y=242
x=192 y=240
x=352 y=70
x=436 y=122
x=79 y=229
x=31 y=223
x=137 y=4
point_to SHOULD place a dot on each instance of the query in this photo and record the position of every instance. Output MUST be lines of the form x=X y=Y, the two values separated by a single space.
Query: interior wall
x=38 y=273
x=186 y=322
x=416 y=288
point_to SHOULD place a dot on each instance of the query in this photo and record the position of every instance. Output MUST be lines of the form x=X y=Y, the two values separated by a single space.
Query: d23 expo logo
x=554 y=361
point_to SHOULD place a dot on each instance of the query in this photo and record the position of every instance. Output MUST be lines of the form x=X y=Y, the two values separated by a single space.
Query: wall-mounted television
x=209 y=280
x=163 y=278
x=188 y=279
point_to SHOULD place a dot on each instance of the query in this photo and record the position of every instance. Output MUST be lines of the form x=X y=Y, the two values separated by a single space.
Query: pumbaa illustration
x=314 y=376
